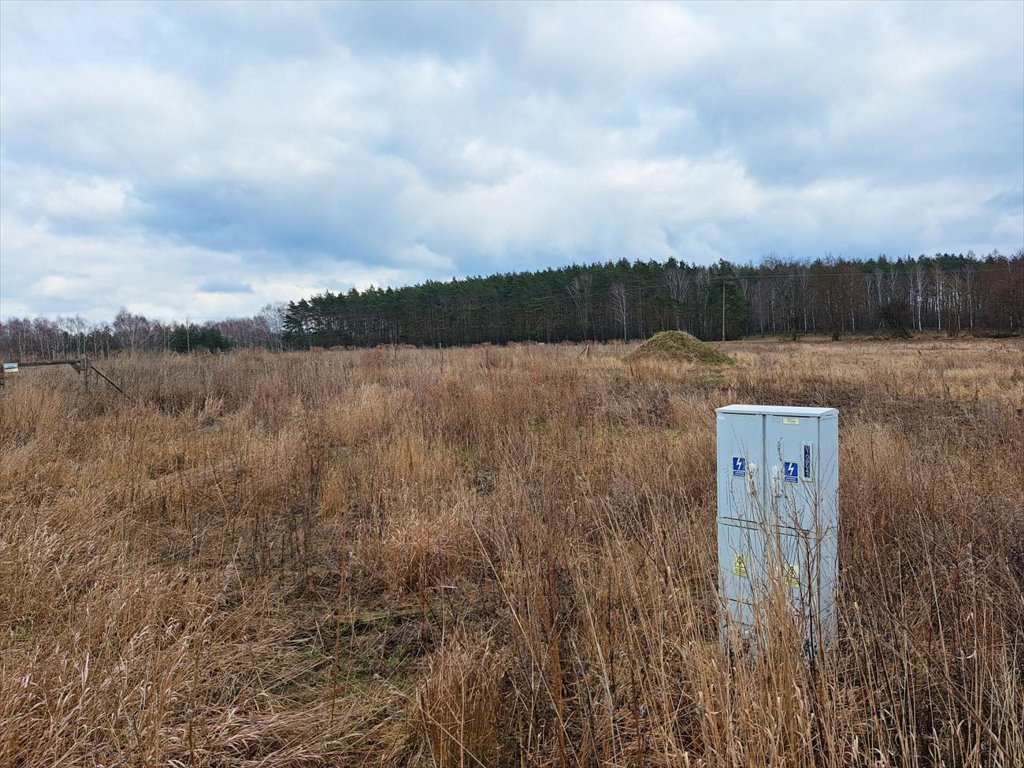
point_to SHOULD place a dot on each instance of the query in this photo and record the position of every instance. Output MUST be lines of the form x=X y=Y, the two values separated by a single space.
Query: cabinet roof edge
x=778 y=410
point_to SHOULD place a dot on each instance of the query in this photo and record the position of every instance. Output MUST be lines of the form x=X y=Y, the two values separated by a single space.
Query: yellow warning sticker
x=790 y=420
x=739 y=567
x=791 y=576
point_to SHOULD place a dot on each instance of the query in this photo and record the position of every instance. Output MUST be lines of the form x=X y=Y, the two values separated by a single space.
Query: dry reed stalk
x=497 y=556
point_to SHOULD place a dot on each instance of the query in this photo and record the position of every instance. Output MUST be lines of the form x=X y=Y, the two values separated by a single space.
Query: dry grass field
x=497 y=557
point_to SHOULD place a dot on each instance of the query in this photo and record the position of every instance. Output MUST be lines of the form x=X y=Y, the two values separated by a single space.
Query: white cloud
x=84 y=274
x=623 y=42
x=425 y=258
x=100 y=199
x=149 y=150
x=60 y=287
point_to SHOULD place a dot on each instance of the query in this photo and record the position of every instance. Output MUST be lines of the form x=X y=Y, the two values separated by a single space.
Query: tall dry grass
x=497 y=557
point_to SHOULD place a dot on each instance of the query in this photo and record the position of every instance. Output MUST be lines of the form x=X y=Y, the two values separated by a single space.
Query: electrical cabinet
x=778 y=515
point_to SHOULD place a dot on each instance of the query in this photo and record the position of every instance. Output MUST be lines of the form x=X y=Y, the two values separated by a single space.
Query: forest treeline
x=25 y=338
x=629 y=300
x=597 y=302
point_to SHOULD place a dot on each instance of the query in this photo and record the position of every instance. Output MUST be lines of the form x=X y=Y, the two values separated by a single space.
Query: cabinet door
x=741 y=570
x=741 y=514
x=806 y=572
x=740 y=467
x=758 y=565
x=802 y=483
x=791 y=460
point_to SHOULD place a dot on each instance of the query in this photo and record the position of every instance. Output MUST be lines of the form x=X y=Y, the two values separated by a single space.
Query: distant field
x=496 y=557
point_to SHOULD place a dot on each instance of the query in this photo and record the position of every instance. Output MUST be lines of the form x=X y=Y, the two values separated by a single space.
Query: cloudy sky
x=203 y=160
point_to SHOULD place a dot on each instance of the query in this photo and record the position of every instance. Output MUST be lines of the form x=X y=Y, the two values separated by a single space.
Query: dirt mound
x=679 y=345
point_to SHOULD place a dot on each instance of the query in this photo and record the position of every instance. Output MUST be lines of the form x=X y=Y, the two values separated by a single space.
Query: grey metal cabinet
x=778 y=515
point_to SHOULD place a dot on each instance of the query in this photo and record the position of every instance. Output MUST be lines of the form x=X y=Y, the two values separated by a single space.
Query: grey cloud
x=225 y=286
x=313 y=145
x=1008 y=200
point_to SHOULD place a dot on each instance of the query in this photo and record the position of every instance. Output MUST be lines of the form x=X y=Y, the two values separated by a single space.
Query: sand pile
x=679 y=345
